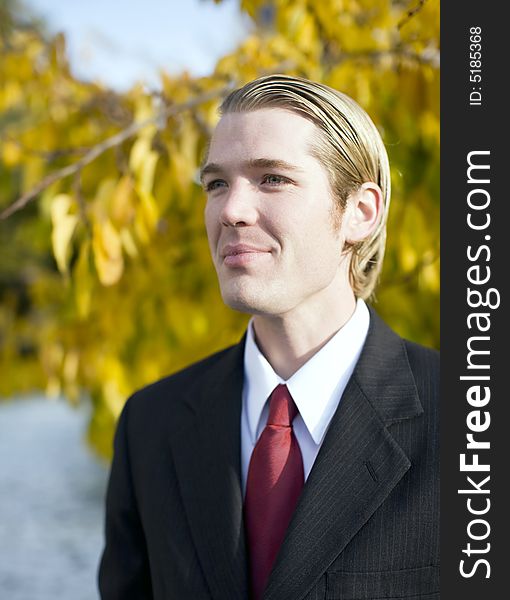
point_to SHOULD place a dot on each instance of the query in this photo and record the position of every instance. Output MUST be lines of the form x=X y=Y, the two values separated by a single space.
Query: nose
x=238 y=206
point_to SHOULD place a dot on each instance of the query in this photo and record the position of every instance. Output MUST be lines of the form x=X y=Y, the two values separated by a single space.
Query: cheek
x=319 y=244
x=211 y=221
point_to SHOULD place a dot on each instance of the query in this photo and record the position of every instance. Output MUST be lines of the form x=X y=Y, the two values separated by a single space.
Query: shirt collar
x=317 y=386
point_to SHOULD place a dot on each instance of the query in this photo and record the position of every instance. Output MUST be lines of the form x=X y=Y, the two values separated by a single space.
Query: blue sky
x=120 y=42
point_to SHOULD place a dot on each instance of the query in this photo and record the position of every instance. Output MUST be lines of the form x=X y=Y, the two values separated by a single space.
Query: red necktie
x=275 y=480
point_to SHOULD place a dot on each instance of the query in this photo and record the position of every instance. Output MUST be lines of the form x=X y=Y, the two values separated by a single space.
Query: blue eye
x=215 y=184
x=275 y=179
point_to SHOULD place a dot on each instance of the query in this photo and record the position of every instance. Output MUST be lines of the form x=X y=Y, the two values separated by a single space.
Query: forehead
x=270 y=132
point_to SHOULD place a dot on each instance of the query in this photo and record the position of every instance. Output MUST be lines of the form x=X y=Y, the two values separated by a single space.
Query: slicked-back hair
x=347 y=144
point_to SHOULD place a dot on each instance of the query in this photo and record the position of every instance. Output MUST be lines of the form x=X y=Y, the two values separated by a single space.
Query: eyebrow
x=253 y=163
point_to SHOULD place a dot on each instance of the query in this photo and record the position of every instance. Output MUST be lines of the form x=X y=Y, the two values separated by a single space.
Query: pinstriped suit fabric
x=367 y=523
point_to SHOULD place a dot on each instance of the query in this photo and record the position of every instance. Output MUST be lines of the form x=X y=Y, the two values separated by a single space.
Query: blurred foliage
x=105 y=278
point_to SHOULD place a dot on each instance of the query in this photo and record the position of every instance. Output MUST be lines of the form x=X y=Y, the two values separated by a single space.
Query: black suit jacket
x=367 y=522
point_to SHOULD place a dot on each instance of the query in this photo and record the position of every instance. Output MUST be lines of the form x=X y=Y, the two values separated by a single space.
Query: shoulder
x=423 y=361
x=421 y=357
x=394 y=363
x=166 y=400
x=424 y=364
x=386 y=348
x=188 y=376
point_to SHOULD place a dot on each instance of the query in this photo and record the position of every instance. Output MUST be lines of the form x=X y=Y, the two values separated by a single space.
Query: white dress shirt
x=316 y=388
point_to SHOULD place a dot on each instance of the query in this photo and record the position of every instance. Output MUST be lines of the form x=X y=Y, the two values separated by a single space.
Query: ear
x=365 y=212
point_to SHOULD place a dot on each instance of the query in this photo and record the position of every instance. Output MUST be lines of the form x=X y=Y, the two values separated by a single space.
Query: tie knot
x=282 y=408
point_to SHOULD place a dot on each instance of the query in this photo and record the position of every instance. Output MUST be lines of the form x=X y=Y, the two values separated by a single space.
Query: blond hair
x=348 y=144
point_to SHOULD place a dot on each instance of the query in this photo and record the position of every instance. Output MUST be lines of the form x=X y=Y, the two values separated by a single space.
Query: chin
x=248 y=301
x=241 y=303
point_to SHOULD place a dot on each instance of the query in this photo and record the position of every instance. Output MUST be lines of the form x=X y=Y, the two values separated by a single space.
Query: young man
x=303 y=462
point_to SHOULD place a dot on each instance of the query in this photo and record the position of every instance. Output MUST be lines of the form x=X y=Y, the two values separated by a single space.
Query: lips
x=236 y=255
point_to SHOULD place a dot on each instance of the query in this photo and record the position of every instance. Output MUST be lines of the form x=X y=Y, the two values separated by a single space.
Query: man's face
x=270 y=215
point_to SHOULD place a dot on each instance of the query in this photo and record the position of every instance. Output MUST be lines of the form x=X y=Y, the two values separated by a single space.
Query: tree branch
x=410 y=14
x=105 y=145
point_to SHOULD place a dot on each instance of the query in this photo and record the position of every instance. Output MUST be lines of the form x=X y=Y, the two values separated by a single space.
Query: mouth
x=240 y=255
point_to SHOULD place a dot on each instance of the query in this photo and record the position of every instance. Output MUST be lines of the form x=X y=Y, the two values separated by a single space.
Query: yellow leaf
x=149 y=214
x=70 y=366
x=11 y=153
x=122 y=205
x=114 y=385
x=146 y=172
x=64 y=225
x=139 y=151
x=104 y=197
x=83 y=281
x=107 y=247
x=128 y=243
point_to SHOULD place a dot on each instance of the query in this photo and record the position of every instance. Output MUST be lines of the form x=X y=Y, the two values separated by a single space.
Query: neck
x=288 y=341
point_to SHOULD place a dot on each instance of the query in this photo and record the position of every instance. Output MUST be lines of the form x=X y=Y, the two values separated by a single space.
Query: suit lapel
x=207 y=456
x=357 y=467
